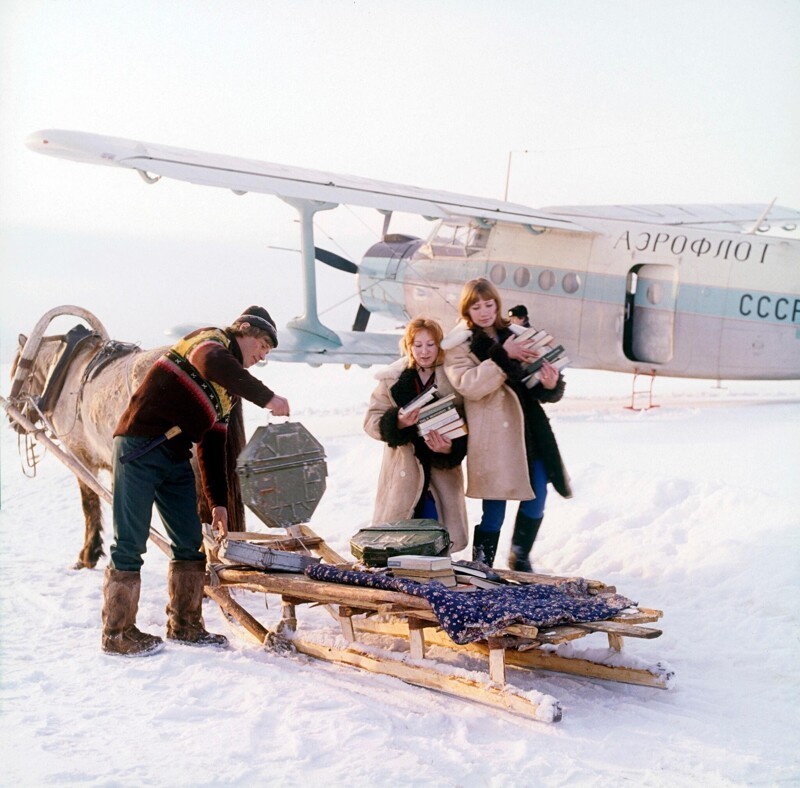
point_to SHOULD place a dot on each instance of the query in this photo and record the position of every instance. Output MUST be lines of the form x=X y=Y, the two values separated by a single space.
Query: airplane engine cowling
x=380 y=275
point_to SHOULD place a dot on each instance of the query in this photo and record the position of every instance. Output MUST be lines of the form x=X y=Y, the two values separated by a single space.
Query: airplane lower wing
x=356 y=347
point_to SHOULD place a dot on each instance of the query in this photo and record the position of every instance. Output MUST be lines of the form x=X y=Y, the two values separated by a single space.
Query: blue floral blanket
x=485 y=612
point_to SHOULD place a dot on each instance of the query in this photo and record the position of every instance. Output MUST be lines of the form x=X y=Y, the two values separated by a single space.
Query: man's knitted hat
x=258 y=317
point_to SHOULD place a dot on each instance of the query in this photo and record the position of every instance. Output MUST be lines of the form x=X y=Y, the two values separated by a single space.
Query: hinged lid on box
x=375 y=544
x=282 y=473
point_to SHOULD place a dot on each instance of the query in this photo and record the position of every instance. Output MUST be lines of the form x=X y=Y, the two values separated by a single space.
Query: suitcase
x=377 y=543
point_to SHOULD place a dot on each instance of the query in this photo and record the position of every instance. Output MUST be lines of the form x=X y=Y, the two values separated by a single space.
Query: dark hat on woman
x=520 y=310
x=259 y=318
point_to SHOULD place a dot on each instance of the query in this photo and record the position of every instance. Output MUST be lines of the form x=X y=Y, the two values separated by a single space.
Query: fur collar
x=459 y=334
x=393 y=371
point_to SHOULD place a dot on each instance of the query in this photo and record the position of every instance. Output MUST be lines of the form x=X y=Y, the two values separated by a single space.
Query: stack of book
x=544 y=344
x=423 y=568
x=441 y=415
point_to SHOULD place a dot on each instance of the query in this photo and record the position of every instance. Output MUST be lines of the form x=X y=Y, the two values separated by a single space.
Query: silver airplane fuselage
x=630 y=296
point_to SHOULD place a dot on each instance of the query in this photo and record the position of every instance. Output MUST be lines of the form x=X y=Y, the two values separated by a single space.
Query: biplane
x=704 y=291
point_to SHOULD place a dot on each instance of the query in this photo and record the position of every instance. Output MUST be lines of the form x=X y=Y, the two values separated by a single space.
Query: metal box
x=376 y=544
x=263 y=557
x=282 y=473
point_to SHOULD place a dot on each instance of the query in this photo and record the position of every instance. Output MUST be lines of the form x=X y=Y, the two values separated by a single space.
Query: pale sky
x=616 y=102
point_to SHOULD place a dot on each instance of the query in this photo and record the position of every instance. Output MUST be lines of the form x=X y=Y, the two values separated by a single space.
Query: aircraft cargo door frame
x=651 y=296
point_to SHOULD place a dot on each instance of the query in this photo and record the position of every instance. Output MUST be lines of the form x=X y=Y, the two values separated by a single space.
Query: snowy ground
x=692 y=508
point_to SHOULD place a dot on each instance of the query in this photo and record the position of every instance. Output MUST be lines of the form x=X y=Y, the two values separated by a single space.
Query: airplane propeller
x=343 y=264
x=335 y=261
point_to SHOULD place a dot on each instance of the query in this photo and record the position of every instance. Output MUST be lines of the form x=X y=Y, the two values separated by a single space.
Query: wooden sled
x=362 y=611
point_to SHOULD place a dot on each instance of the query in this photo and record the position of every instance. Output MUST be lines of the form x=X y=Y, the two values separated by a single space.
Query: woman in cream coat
x=512 y=452
x=419 y=477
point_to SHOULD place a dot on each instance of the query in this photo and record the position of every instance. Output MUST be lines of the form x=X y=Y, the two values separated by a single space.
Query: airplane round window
x=546 y=280
x=571 y=283
x=521 y=277
x=498 y=274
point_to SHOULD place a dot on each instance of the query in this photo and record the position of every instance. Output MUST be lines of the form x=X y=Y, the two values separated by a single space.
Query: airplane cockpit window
x=458 y=238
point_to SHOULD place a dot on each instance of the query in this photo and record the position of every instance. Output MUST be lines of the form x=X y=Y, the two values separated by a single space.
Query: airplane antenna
x=752 y=230
x=508 y=170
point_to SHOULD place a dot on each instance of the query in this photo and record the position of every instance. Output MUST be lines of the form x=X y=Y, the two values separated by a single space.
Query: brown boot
x=186 y=580
x=120 y=605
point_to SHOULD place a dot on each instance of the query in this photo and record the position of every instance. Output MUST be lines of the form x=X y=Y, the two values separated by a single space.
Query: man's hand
x=219 y=522
x=278 y=405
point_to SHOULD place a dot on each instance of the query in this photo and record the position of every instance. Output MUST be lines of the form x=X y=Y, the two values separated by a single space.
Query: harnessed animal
x=74 y=387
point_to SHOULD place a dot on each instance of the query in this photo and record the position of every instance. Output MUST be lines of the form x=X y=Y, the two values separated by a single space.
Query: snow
x=692 y=508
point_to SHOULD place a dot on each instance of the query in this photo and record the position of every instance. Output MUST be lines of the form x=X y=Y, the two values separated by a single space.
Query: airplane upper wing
x=721 y=214
x=247 y=175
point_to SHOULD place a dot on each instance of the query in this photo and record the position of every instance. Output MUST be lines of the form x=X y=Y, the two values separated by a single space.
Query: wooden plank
x=234 y=611
x=327 y=553
x=642 y=615
x=276 y=541
x=537 y=659
x=317 y=591
x=416 y=637
x=497 y=661
x=288 y=622
x=594 y=586
x=560 y=634
x=346 y=625
x=546 y=709
x=616 y=628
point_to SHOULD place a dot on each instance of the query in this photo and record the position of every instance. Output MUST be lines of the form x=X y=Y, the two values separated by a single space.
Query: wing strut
x=309 y=320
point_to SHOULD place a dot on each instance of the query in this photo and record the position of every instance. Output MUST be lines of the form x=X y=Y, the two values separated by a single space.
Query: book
x=474 y=569
x=482 y=582
x=437 y=406
x=441 y=415
x=448 y=416
x=451 y=428
x=542 y=342
x=419 y=400
x=535 y=377
x=421 y=572
x=458 y=431
x=534 y=337
x=449 y=582
x=425 y=562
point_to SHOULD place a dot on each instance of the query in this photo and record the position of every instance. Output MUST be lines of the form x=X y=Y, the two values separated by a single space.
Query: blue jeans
x=494 y=512
x=155 y=478
x=426 y=507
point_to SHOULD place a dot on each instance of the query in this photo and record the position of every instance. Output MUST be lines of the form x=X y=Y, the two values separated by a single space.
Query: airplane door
x=651 y=297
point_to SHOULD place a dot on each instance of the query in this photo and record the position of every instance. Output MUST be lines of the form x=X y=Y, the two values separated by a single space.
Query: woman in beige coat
x=419 y=477
x=512 y=452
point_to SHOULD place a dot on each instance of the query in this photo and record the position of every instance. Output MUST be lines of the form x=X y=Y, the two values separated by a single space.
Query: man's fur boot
x=185 y=609
x=484 y=545
x=525 y=530
x=120 y=605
